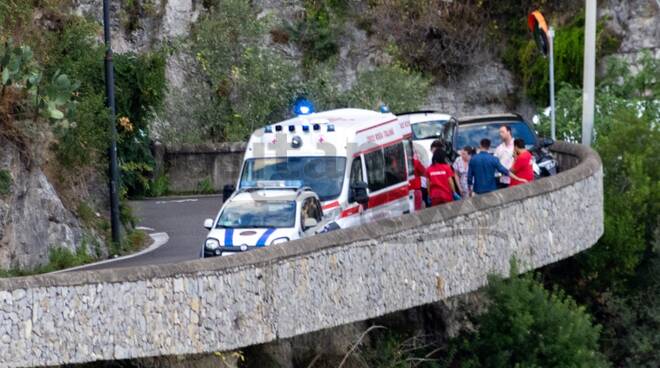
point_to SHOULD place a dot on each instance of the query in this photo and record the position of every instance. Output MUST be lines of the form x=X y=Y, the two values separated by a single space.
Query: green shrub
x=318 y=33
x=630 y=334
x=527 y=326
x=6 y=182
x=135 y=241
x=140 y=90
x=397 y=87
x=626 y=136
x=251 y=84
x=159 y=186
x=205 y=186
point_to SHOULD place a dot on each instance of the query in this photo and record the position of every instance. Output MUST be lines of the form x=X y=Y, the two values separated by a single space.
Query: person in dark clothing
x=482 y=168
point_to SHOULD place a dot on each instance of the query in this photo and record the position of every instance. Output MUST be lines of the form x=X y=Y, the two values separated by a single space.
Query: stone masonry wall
x=302 y=286
x=187 y=165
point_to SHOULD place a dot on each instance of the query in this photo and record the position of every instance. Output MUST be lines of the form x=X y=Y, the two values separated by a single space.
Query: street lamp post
x=589 y=75
x=110 y=102
x=551 y=56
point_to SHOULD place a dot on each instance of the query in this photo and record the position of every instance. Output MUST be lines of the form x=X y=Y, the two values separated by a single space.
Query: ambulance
x=358 y=162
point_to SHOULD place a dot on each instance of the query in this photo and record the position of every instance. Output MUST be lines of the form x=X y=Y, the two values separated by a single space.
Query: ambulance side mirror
x=208 y=223
x=359 y=193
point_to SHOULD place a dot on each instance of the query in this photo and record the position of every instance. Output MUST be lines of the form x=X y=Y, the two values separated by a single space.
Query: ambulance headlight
x=212 y=244
x=279 y=241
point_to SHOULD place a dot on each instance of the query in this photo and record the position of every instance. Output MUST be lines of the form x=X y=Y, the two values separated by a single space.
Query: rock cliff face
x=32 y=216
x=482 y=89
x=636 y=22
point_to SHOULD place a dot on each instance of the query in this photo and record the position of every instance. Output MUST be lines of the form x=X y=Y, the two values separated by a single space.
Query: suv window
x=472 y=134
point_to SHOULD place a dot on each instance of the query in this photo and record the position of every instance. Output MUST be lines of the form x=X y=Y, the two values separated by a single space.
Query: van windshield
x=325 y=175
x=259 y=214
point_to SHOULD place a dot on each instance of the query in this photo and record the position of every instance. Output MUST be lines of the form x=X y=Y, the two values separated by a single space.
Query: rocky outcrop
x=32 y=216
x=636 y=23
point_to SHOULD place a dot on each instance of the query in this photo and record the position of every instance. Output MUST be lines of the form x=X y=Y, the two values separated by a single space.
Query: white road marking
x=160 y=239
x=144 y=228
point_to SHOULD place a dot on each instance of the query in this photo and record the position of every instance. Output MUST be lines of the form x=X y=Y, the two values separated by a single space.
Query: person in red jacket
x=521 y=171
x=416 y=182
x=439 y=177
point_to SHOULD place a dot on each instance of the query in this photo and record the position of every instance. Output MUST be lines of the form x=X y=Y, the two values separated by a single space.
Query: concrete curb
x=159 y=239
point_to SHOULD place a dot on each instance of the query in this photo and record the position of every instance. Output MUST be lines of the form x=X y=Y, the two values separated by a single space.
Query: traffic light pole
x=110 y=95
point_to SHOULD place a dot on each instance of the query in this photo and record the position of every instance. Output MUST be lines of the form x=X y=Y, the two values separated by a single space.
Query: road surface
x=181 y=218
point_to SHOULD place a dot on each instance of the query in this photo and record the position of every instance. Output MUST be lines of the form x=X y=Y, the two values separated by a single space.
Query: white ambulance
x=358 y=162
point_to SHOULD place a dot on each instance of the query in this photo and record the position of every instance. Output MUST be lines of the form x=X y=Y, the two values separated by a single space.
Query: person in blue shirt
x=481 y=170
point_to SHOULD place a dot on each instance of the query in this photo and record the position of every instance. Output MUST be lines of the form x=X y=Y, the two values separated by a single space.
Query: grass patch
x=6 y=182
x=205 y=187
x=59 y=258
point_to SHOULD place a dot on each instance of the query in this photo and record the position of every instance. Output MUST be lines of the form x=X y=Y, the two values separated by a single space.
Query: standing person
x=418 y=184
x=504 y=152
x=482 y=168
x=460 y=167
x=521 y=170
x=436 y=145
x=439 y=176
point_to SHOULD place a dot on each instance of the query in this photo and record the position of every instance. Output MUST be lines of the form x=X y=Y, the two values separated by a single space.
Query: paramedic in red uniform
x=416 y=183
x=439 y=175
x=521 y=169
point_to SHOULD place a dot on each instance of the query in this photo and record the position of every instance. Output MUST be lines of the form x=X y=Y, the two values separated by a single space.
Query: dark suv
x=471 y=130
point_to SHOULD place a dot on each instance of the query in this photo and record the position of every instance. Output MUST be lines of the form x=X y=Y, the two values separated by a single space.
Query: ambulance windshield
x=325 y=175
x=258 y=214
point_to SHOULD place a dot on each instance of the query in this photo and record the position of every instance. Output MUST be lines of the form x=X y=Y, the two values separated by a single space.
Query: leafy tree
x=626 y=136
x=528 y=326
x=630 y=334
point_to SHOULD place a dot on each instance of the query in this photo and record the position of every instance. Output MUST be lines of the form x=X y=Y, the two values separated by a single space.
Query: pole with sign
x=544 y=38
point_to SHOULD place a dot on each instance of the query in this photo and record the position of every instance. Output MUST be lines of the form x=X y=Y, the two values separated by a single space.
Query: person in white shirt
x=504 y=153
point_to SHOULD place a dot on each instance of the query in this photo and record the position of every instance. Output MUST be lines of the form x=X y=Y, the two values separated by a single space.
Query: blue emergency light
x=303 y=106
x=384 y=108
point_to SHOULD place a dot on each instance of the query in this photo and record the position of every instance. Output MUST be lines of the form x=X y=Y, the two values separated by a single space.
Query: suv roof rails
x=489 y=117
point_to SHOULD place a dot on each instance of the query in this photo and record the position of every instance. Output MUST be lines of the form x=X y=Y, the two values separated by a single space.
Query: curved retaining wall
x=306 y=285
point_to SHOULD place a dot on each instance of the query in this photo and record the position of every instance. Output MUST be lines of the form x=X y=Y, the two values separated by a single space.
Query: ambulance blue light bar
x=303 y=106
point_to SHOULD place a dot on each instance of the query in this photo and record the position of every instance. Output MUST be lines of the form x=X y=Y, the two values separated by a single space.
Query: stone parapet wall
x=302 y=286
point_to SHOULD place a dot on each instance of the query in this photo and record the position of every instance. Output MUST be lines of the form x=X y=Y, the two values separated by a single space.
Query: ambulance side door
x=354 y=210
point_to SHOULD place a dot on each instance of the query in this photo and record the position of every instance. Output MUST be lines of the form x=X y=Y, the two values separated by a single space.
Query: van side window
x=356 y=171
x=407 y=145
x=375 y=163
x=395 y=164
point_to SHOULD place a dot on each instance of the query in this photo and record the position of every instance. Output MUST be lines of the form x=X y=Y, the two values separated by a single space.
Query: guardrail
x=306 y=285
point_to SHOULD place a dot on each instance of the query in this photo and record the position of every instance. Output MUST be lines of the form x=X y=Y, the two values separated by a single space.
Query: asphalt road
x=181 y=218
